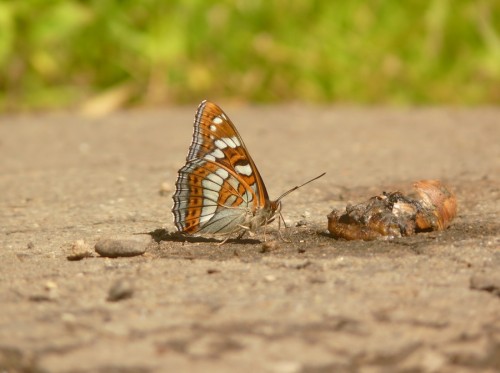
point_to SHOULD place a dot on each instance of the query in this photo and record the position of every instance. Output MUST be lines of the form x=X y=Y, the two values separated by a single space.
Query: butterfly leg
x=281 y=218
x=224 y=240
x=243 y=229
x=240 y=236
x=265 y=231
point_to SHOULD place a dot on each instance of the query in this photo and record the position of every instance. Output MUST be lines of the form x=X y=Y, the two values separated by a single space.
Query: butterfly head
x=264 y=215
x=275 y=206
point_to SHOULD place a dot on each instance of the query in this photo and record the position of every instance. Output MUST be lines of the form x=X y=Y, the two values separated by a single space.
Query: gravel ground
x=425 y=303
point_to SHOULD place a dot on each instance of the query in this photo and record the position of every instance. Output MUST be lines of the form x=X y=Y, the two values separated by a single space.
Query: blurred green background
x=65 y=53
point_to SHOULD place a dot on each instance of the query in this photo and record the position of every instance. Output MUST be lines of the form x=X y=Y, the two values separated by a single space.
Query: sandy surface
x=310 y=305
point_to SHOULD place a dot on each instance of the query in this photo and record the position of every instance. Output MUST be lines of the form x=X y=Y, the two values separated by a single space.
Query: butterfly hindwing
x=204 y=189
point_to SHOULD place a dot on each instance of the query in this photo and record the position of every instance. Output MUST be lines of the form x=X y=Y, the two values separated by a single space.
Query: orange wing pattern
x=219 y=189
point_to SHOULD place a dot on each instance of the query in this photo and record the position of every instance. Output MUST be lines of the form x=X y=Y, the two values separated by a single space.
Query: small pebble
x=287 y=367
x=270 y=278
x=269 y=246
x=79 y=250
x=68 y=318
x=165 y=189
x=115 y=247
x=317 y=280
x=40 y=298
x=50 y=285
x=489 y=282
x=30 y=245
x=121 y=289
x=307 y=263
x=49 y=293
x=301 y=223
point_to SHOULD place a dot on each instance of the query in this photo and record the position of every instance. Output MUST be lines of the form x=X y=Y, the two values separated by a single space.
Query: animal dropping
x=429 y=207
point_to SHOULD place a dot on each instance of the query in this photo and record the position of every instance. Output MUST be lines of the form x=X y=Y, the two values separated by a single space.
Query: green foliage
x=55 y=53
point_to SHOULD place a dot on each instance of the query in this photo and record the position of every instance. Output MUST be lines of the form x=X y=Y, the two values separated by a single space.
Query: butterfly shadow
x=161 y=234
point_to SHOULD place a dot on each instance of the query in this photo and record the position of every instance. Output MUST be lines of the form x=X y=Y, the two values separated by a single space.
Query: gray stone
x=114 y=247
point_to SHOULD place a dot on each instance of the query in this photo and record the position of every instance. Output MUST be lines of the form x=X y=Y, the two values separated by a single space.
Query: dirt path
x=310 y=305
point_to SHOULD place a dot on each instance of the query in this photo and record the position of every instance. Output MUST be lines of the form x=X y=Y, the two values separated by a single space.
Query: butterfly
x=219 y=190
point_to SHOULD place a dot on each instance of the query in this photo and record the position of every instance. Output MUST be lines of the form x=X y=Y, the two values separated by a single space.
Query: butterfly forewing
x=216 y=139
x=220 y=187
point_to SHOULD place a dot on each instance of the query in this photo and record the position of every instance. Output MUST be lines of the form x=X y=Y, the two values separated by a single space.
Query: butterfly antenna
x=299 y=186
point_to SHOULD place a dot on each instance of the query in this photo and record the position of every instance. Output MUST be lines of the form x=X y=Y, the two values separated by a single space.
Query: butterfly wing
x=219 y=186
x=216 y=139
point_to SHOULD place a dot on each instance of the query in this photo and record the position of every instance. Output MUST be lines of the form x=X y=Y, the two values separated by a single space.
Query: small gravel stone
x=270 y=278
x=49 y=293
x=121 y=289
x=79 y=250
x=489 y=282
x=269 y=246
x=165 y=189
x=114 y=247
x=301 y=223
